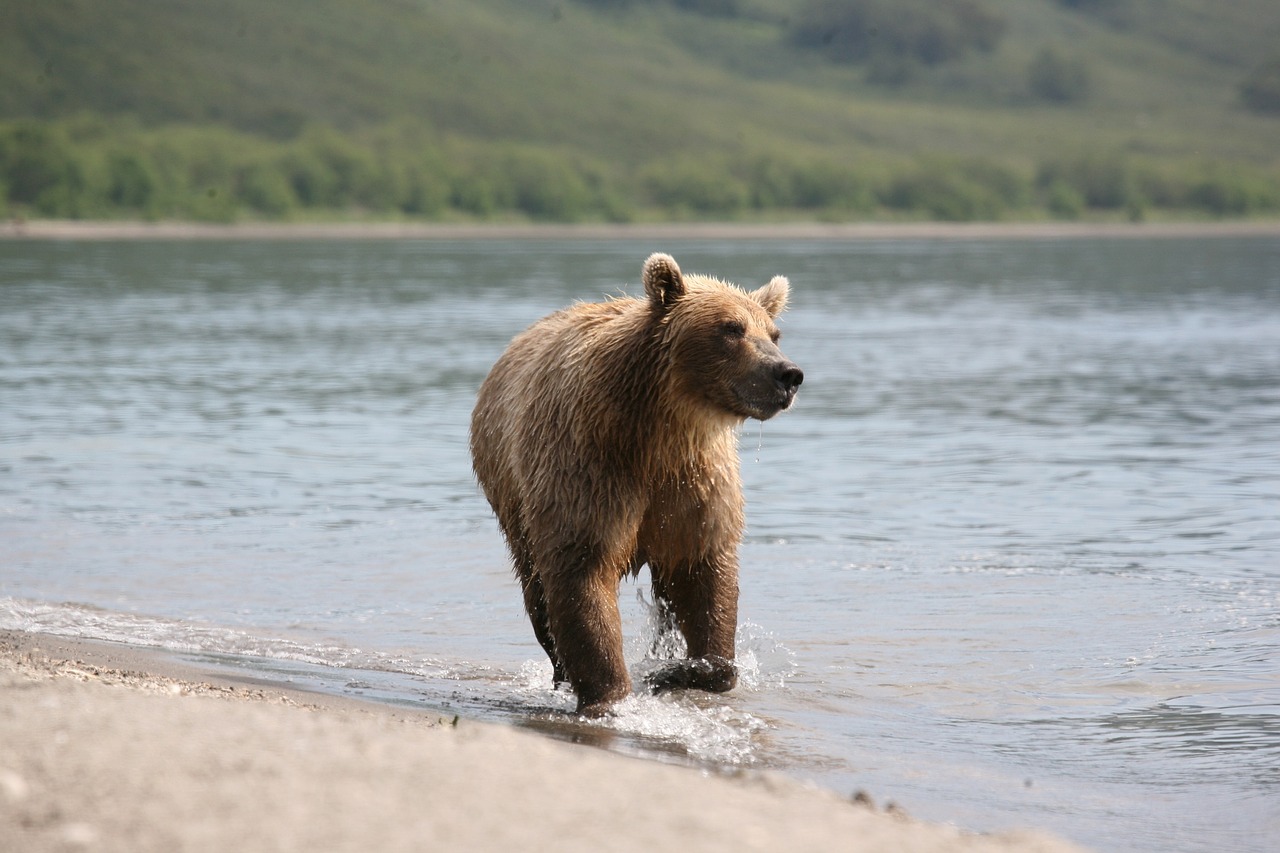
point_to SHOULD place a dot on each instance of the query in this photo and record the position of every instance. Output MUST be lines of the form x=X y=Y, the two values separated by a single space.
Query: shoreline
x=105 y=230
x=110 y=747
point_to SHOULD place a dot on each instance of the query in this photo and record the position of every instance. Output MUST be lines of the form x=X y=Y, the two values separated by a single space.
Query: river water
x=1013 y=559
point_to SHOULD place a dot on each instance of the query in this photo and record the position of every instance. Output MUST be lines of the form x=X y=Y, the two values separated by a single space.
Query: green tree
x=950 y=191
x=1064 y=201
x=131 y=181
x=40 y=170
x=546 y=187
x=266 y=189
x=1103 y=181
x=695 y=186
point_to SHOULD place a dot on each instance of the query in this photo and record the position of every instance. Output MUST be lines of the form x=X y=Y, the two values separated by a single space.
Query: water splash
x=764 y=663
x=704 y=728
x=711 y=732
x=762 y=659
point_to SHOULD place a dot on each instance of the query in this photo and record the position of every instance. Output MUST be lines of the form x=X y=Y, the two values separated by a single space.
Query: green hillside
x=640 y=109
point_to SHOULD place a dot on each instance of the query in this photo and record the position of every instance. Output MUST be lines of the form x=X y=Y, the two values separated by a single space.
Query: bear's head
x=722 y=341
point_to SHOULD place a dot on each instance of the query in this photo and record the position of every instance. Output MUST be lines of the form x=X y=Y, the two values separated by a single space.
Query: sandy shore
x=105 y=747
x=88 y=230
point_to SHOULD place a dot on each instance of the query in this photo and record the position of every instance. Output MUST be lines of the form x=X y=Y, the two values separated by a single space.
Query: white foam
x=705 y=727
x=717 y=733
x=92 y=623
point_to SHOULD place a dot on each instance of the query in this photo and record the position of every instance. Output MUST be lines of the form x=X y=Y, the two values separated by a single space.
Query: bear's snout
x=773 y=389
x=788 y=376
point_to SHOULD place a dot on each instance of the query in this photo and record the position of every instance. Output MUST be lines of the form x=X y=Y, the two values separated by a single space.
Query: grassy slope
x=645 y=85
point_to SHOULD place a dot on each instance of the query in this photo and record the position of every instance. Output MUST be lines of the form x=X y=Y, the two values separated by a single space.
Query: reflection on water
x=1011 y=559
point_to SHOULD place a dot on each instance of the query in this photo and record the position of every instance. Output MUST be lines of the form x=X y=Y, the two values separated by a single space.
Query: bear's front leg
x=535 y=604
x=582 y=612
x=703 y=597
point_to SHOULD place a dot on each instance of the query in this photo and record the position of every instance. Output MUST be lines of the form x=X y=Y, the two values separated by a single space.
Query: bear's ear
x=773 y=296
x=663 y=281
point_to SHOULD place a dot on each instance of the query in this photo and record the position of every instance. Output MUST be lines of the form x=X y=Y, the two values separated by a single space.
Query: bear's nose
x=788 y=375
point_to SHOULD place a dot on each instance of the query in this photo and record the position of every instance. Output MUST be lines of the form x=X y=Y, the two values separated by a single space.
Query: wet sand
x=106 y=230
x=116 y=748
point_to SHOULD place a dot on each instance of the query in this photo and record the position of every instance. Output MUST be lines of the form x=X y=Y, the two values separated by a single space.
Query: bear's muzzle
x=774 y=389
x=787 y=378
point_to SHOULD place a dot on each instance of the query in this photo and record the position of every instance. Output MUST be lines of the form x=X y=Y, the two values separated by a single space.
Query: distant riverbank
x=126 y=230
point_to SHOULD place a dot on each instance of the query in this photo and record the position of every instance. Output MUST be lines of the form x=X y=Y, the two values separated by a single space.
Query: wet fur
x=605 y=439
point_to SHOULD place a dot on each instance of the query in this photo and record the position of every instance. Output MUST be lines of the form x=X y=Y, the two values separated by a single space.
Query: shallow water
x=1013 y=559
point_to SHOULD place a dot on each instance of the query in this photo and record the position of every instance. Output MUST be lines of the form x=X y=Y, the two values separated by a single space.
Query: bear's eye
x=775 y=336
x=733 y=329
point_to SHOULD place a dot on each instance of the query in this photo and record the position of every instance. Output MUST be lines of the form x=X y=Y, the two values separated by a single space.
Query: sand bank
x=113 y=748
x=81 y=230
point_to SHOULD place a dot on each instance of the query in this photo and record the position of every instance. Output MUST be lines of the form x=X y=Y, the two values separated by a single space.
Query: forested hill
x=640 y=109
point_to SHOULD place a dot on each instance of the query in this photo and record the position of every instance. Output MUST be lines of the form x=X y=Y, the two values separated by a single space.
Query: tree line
x=98 y=168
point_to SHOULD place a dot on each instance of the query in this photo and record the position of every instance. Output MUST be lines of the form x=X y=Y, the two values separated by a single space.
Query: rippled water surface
x=1013 y=559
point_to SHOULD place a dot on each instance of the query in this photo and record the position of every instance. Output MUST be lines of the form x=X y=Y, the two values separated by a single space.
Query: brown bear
x=605 y=439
